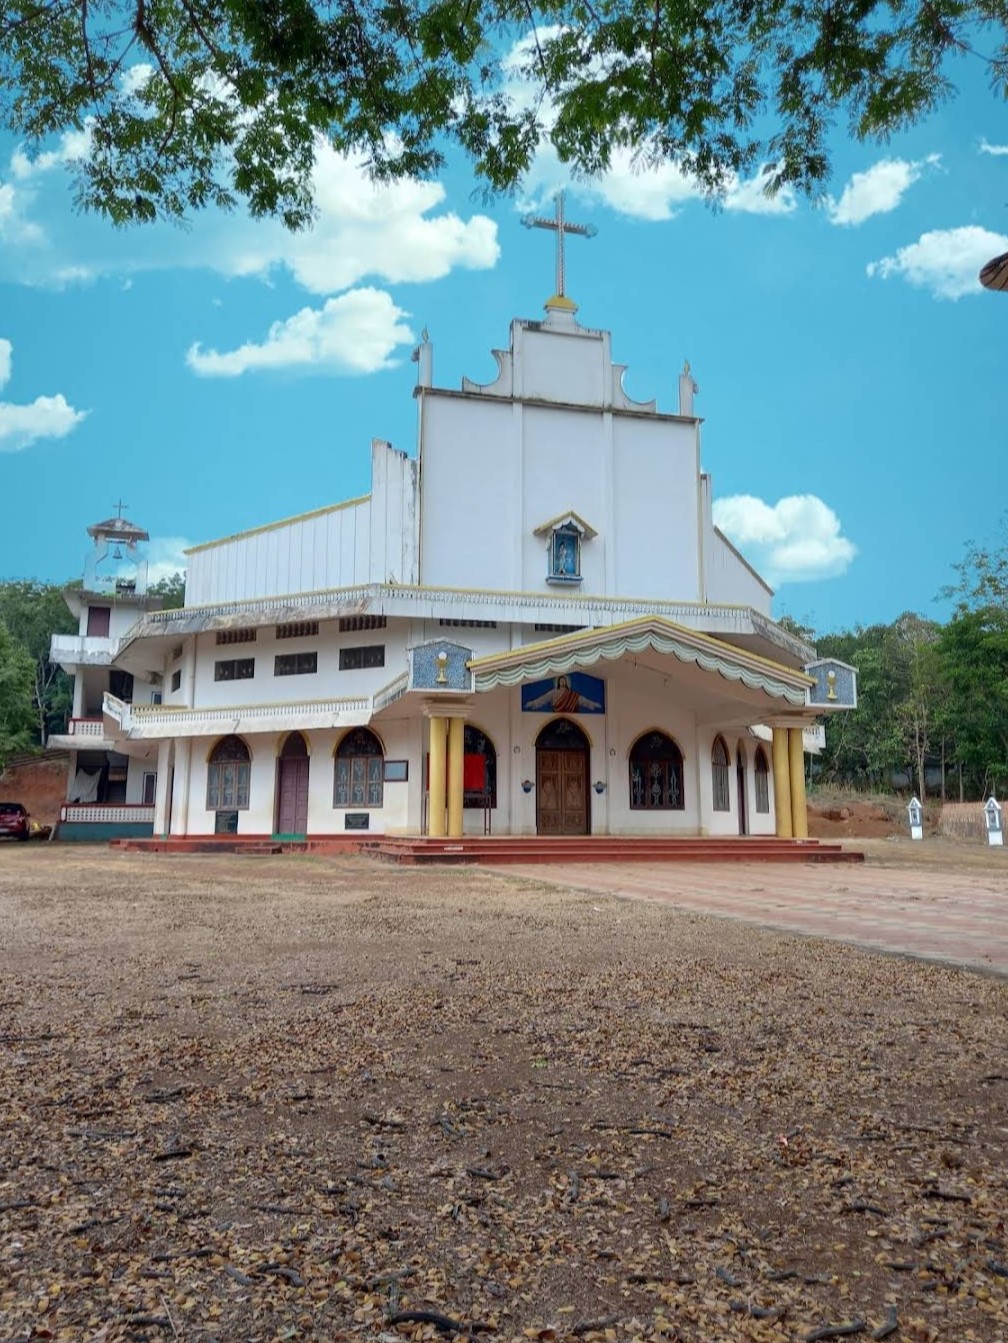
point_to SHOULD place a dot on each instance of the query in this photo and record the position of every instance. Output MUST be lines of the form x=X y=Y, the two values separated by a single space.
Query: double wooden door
x=562 y=792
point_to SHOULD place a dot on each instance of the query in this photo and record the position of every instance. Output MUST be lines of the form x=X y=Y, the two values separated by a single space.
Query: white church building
x=529 y=626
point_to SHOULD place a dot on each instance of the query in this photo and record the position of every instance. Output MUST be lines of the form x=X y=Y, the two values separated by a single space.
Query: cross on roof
x=560 y=224
x=119 y=508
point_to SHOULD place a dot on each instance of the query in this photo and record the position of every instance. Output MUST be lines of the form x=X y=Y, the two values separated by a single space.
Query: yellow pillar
x=781 y=783
x=436 y=788
x=456 y=766
x=796 y=756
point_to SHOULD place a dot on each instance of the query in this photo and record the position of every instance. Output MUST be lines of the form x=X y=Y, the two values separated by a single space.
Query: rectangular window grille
x=247 y=636
x=469 y=624
x=228 y=785
x=368 y=655
x=295 y=664
x=297 y=629
x=722 y=799
x=544 y=627
x=176 y=680
x=762 y=791
x=351 y=624
x=234 y=669
x=149 y=789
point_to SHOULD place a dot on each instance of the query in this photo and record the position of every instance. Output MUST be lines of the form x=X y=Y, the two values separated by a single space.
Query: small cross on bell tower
x=561 y=226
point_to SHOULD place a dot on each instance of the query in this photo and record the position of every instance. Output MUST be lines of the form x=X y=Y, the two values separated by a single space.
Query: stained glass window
x=360 y=763
x=762 y=781
x=656 y=774
x=228 y=776
x=720 y=761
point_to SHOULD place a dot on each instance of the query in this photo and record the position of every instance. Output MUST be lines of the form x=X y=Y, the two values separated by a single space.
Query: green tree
x=17 y=712
x=865 y=746
x=916 y=715
x=240 y=92
x=171 y=590
x=974 y=652
x=33 y=613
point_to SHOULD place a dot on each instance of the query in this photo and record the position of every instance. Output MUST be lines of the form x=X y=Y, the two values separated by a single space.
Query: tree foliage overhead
x=240 y=91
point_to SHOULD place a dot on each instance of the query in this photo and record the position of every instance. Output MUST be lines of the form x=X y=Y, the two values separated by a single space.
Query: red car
x=13 y=820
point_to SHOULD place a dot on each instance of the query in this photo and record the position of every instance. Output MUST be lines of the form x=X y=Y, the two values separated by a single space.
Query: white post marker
x=916 y=814
x=992 y=815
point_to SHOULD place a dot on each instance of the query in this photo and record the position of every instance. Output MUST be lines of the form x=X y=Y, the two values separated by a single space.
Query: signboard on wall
x=574 y=692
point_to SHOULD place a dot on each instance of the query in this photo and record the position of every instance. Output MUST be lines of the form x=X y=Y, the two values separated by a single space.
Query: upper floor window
x=176 y=679
x=368 y=655
x=242 y=636
x=234 y=669
x=565 y=555
x=295 y=664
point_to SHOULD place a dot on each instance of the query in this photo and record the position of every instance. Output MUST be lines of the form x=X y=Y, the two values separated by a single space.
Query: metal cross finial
x=560 y=225
x=119 y=508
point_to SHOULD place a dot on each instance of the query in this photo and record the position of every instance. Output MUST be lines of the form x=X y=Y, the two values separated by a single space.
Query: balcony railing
x=166 y=720
x=85 y=727
x=82 y=650
x=107 y=813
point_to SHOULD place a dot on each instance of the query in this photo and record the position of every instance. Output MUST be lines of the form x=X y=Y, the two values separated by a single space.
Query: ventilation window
x=236 y=636
x=350 y=624
x=297 y=629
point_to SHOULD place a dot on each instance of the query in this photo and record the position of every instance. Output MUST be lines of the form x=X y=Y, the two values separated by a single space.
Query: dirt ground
x=270 y=1099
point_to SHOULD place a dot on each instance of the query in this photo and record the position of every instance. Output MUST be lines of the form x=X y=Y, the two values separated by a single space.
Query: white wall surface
x=327 y=550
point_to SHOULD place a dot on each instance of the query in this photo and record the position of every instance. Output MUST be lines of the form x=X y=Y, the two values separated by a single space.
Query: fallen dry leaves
x=268 y=1099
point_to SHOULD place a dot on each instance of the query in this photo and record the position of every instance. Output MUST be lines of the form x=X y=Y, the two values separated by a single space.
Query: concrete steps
x=508 y=849
x=609 y=849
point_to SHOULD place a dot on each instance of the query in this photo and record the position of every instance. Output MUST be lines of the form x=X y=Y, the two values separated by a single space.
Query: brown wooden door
x=562 y=792
x=292 y=806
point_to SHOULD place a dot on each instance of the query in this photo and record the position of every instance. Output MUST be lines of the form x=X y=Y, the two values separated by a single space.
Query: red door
x=292 y=787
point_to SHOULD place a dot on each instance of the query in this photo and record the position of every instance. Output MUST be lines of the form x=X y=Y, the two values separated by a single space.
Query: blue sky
x=851 y=370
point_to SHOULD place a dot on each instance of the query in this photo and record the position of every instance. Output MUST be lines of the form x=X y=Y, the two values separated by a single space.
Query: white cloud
x=798 y=539
x=750 y=196
x=397 y=231
x=72 y=145
x=946 y=261
x=987 y=148
x=45 y=417
x=165 y=556
x=363 y=228
x=877 y=190
x=354 y=333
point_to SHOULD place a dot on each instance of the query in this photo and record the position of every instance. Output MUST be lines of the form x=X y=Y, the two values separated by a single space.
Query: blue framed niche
x=565 y=536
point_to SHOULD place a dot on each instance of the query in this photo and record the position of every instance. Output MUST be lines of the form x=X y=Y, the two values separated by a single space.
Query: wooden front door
x=292 y=787
x=562 y=780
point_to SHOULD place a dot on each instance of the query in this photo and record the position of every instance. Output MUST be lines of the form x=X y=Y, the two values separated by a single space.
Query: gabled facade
x=530 y=626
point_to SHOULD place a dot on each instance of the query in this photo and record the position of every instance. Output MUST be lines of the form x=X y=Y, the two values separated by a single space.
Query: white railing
x=85 y=727
x=115 y=708
x=395 y=690
x=106 y=813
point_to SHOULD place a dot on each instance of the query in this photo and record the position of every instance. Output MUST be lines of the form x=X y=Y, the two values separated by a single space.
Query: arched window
x=228 y=776
x=762 y=769
x=479 y=768
x=720 y=760
x=360 y=765
x=656 y=774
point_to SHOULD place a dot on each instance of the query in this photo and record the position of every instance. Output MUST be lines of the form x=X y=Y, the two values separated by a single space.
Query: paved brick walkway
x=945 y=915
